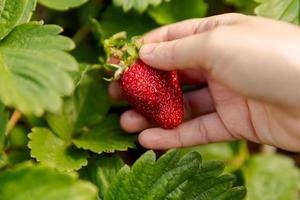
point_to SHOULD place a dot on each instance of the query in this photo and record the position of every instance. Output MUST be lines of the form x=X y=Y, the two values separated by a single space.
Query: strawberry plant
x=60 y=136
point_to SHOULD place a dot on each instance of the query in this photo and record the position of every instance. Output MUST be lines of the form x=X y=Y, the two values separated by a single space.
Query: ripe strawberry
x=154 y=93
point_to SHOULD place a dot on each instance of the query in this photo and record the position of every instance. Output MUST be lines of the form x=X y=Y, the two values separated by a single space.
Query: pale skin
x=252 y=68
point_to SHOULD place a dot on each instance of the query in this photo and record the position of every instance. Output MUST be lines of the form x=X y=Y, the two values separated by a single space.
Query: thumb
x=188 y=52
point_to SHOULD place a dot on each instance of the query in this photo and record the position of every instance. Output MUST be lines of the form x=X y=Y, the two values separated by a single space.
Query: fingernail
x=147 y=50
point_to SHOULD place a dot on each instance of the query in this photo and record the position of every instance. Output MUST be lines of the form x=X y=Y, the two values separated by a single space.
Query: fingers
x=195 y=103
x=115 y=91
x=189 y=52
x=132 y=122
x=190 y=27
x=202 y=130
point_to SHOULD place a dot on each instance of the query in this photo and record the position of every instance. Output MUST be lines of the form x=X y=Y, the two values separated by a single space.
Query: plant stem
x=81 y=34
x=16 y=116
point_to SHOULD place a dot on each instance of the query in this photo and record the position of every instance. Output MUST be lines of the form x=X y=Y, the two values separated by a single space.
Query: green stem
x=81 y=34
x=242 y=156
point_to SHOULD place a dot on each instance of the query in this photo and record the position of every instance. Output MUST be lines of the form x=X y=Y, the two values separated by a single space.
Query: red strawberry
x=154 y=93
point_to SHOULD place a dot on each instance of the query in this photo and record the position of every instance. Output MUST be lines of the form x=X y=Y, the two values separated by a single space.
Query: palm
x=252 y=120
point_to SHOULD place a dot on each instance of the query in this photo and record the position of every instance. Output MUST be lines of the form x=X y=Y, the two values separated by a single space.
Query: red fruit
x=154 y=93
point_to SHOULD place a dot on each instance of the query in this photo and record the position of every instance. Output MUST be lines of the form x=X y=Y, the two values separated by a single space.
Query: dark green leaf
x=243 y=6
x=105 y=137
x=173 y=176
x=3 y=124
x=114 y=21
x=177 y=10
x=85 y=108
x=102 y=171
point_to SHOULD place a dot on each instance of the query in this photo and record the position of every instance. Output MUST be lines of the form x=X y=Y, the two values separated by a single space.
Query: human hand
x=252 y=68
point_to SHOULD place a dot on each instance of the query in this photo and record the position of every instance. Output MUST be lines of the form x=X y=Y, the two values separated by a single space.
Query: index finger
x=190 y=27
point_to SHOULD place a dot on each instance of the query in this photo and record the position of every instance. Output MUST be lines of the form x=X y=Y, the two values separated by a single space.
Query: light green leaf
x=115 y=20
x=217 y=151
x=173 y=176
x=177 y=10
x=34 y=68
x=13 y=13
x=85 y=108
x=271 y=177
x=3 y=124
x=55 y=152
x=62 y=4
x=285 y=10
x=41 y=183
x=102 y=171
x=138 y=5
x=105 y=137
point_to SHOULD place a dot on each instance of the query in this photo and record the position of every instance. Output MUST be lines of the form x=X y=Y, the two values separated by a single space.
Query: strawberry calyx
x=121 y=53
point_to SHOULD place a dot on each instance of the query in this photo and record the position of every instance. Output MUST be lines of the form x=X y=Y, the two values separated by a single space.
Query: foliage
x=60 y=136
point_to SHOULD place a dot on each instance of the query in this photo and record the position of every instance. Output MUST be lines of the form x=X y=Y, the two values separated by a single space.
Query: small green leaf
x=85 y=108
x=102 y=171
x=55 y=152
x=3 y=124
x=271 y=177
x=13 y=13
x=285 y=10
x=39 y=182
x=138 y=5
x=62 y=4
x=105 y=137
x=177 y=10
x=34 y=68
x=173 y=176
x=115 y=20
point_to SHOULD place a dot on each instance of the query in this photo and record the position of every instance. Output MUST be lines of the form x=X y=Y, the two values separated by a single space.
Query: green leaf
x=285 y=10
x=114 y=20
x=272 y=177
x=62 y=4
x=85 y=108
x=38 y=182
x=102 y=171
x=137 y=5
x=55 y=152
x=106 y=137
x=173 y=176
x=177 y=10
x=3 y=124
x=34 y=68
x=13 y=13
x=218 y=151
